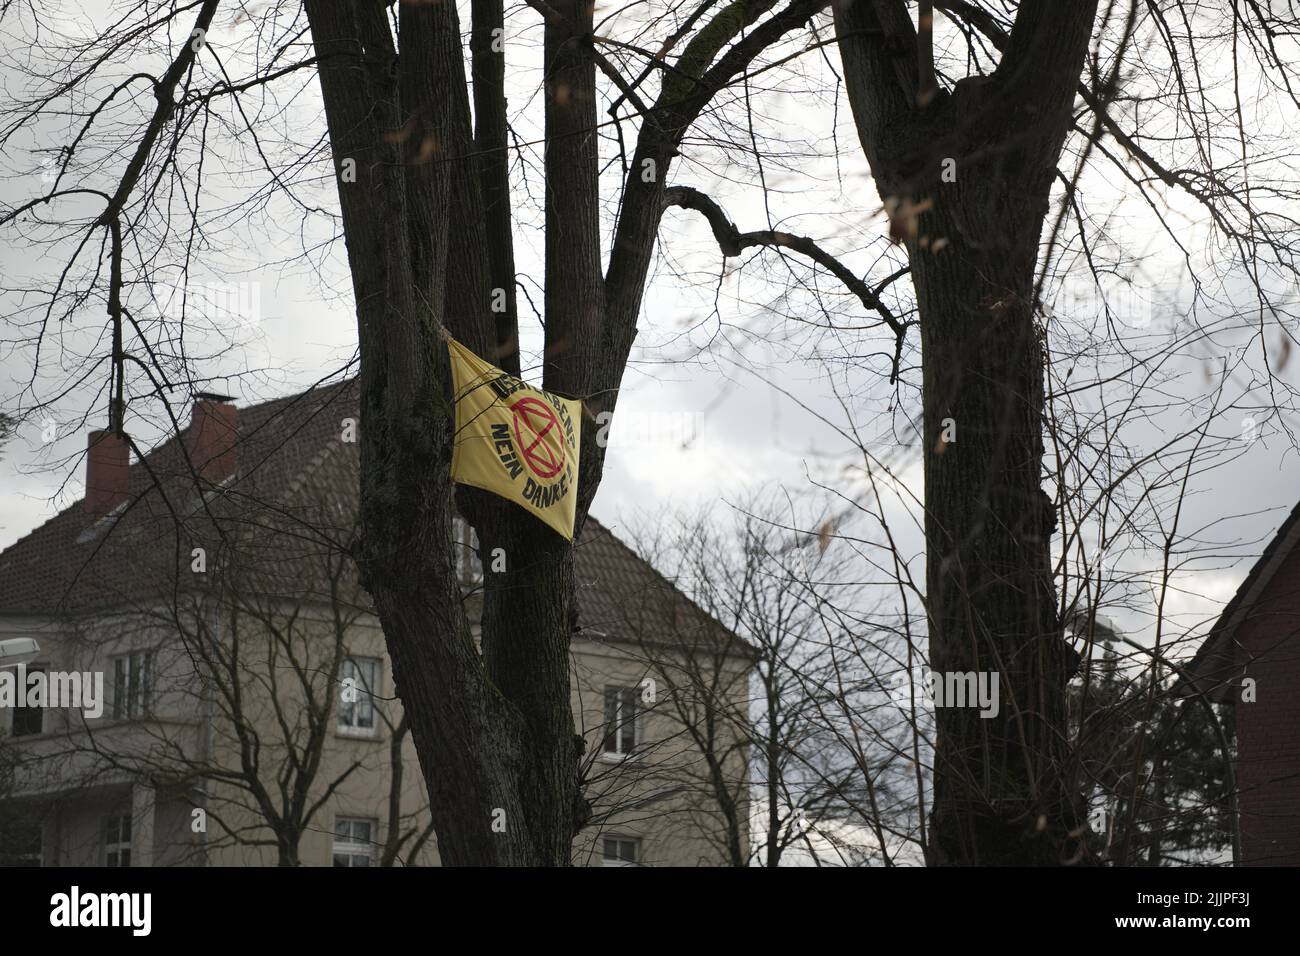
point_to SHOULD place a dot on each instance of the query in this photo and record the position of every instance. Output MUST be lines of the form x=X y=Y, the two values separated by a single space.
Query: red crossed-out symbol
x=535 y=418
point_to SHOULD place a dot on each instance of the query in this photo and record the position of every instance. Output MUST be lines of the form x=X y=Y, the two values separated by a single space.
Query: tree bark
x=427 y=227
x=396 y=216
x=1003 y=791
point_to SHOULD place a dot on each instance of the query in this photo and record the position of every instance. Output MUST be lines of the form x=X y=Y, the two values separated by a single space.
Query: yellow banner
x=514 y=440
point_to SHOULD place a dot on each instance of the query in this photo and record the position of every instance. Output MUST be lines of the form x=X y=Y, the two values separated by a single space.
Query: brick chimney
x=213 y=433
x=108 y=457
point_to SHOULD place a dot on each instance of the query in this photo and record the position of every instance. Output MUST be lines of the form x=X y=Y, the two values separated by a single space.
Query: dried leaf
x=824 y=537
x=1283 y=353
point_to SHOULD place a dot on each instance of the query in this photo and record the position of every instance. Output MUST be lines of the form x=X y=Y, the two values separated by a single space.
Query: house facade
x=1250 y=661
x=247 y=713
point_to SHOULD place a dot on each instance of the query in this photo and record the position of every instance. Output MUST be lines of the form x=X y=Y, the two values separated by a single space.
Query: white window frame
x=617 y=726
x=465 y=543
x=350 y=713
x=114 y=850
x=352 y=848
x=133 y=681
x=618 y=860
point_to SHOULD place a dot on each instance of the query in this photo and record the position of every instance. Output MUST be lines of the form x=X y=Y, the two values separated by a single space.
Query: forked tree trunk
x=1003 y=788
x=426 y=217
x=386 y=128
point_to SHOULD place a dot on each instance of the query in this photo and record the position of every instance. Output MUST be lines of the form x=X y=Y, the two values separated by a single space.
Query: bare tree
x=816 y=775
x=978 y=126
x=1030 y=96
x=231 y=700
x=426 y=217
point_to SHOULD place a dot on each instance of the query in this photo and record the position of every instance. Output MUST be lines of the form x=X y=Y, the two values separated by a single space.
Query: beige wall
x=660 y=797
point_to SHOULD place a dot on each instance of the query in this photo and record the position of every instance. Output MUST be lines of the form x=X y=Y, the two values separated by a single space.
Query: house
x=248 y=715
x=1250 y=661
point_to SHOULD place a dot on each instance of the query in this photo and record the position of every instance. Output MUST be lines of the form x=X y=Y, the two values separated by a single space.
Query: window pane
x=146 y=683
x=475 y=565
x=363 y=675
x=119 y=688
x=133 y=686
x=352 y=841
x=459 y=545
x=627 y=714
x=28 y=720
x=367 y=682
x=611 y=721
x=619 y=850
x=20 y=843
x=347 y=672
x=465 y=547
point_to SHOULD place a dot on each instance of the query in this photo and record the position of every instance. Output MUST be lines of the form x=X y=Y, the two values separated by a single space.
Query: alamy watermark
x=1126 y=303
x=75 y=908
x=948 y=689
x=56 y=689
x=675 y=429
x=226 y=304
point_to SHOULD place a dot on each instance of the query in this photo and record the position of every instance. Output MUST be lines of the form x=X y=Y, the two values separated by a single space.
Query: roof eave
x=1212 y=669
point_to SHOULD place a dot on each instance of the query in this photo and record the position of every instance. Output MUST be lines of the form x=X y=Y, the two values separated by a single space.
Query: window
x=354 y=842
x=20 y=845
x=133 y=685
x=621 y=721
x=359 y=677
x=622 y=851
x=28 y=720
x=465 y=542
x=117 y=840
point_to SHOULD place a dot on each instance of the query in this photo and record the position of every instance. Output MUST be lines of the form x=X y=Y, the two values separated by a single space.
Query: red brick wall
x=1268 y=730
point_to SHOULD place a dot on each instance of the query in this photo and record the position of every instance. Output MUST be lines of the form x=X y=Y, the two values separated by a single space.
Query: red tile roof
x=296 y=477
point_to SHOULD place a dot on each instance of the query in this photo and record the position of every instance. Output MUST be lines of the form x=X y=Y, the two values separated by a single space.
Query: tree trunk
x=426 y=219
x=391 y=124
x=967 y=182
x=1001 y=791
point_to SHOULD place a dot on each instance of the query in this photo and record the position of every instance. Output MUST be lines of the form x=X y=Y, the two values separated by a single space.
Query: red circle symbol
x=534 y=418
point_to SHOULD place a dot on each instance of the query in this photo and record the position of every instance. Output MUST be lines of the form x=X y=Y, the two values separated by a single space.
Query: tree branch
x=929 y=86
x=488 y=69
x=732 y=242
